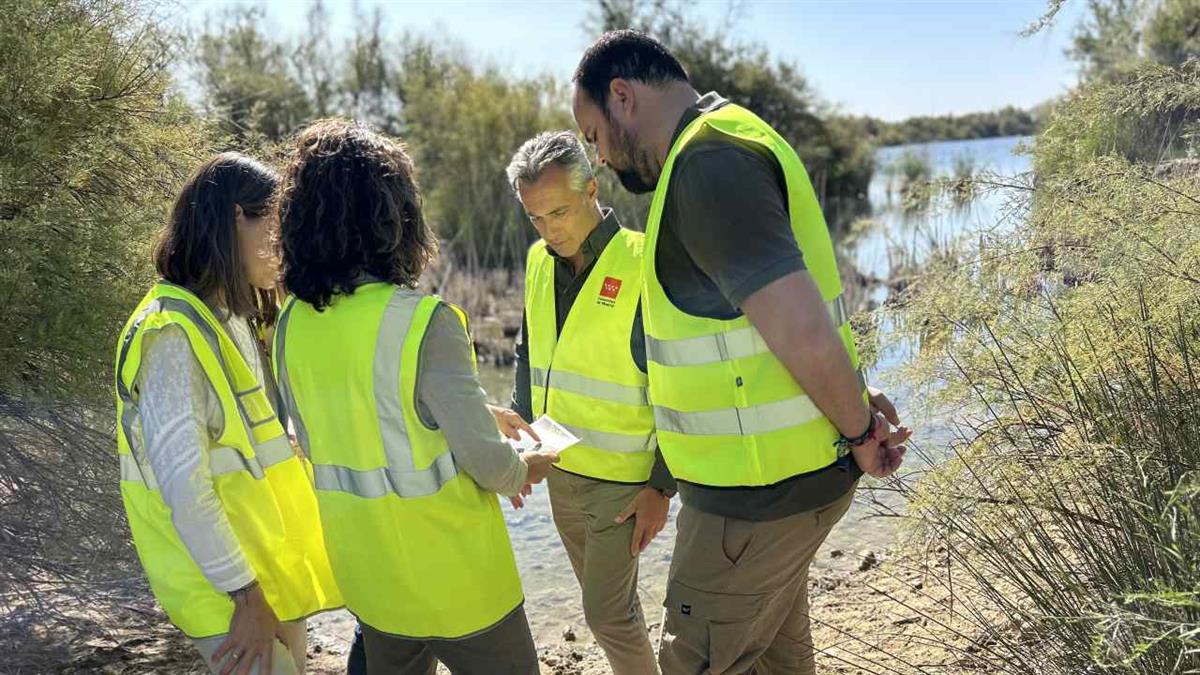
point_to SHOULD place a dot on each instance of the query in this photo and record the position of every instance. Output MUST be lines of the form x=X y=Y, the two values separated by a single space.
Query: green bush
x=1066 y=350
x=95 y=144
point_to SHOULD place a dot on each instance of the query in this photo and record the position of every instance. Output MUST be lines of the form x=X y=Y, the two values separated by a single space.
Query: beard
x=632 y=181
x=637 y=174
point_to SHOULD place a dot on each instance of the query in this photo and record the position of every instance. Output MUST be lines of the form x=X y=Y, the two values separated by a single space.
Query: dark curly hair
x=350 y=209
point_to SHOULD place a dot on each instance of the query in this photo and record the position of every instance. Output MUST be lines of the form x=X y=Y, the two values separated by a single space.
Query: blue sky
x=887 y=58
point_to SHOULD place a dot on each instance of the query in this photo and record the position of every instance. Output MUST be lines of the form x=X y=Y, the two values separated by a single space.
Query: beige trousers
x=737 y=594
x=598 y=549
x=286 y=660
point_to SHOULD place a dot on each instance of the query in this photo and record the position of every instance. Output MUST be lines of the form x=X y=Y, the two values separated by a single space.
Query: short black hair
x=629 y=55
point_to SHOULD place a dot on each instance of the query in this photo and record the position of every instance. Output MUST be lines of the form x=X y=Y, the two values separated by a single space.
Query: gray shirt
x=450 y=398
x=725 y=234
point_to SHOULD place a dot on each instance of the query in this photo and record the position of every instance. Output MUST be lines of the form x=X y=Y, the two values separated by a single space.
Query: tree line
x=462 y=118
x=1008 y=121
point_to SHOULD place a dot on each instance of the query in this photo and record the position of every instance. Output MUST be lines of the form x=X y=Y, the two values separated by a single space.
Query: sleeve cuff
x=660 y=476
x=228 y=584
x=519 y=474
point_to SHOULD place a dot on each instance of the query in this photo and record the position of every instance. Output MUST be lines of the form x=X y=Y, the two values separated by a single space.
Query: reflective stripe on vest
x=611 y=442
x=750 y=421
x=738 y=343
x=221 y=460
x=588 y=386
x=375 y=483
x=400 y=477
x=281 y=376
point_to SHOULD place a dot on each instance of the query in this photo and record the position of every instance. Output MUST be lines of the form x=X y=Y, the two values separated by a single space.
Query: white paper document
x=554 y=437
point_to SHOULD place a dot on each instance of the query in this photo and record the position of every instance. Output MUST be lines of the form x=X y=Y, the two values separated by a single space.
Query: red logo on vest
x=609 y=291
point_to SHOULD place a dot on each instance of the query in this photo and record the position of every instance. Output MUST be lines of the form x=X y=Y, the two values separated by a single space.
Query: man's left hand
x=649 y=511
x=880 y=403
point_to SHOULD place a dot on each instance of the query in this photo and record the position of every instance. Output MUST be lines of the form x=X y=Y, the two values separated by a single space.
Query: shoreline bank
x=881 y=611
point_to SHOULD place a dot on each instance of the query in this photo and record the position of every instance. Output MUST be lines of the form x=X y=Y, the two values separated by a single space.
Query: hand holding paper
x=539 y=451
x=550 y=435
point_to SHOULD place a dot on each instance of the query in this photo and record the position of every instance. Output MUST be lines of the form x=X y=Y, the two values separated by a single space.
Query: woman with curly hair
x=221 y=508
x=380 y=383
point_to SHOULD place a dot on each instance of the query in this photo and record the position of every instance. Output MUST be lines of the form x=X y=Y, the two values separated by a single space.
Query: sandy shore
x=884 y=614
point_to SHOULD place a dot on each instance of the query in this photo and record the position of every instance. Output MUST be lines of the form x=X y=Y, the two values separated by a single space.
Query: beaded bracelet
x=846 y=445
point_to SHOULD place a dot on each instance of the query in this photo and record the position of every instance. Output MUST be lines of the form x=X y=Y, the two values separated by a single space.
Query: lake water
x=553 y=599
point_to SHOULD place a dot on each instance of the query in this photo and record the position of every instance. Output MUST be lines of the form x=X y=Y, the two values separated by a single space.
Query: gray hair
x=547 y=148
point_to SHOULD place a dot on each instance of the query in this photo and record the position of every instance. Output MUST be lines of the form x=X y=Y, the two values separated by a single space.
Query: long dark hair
x=199 y=248
x=350 y=209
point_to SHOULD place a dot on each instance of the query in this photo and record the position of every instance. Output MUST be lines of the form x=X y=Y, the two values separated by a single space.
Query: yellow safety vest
x=263 y=485
x=586 y=378
x=418 y=548
x=728 y=411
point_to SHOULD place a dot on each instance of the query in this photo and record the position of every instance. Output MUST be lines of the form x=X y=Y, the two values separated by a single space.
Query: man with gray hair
x=582 y=360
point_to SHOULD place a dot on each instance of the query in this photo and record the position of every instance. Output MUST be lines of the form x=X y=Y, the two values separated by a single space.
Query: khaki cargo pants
x=737 y=594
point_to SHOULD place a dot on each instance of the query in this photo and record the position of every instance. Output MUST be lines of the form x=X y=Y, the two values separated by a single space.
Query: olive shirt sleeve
x=522 y=396
x=450 y=398
x=733 y=218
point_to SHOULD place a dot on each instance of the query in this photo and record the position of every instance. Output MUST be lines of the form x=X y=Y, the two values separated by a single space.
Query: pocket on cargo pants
x=706 y=632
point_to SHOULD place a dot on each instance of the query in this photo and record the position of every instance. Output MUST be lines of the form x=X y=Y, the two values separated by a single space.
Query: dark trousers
x=356 y=664
x=504 y=649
